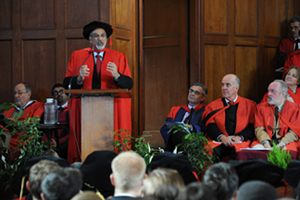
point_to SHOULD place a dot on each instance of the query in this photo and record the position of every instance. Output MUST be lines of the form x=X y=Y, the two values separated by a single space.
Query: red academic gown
x=244 y=116
x=264 y=117
x=122 y=106
x=295 y=97
x=36 y=109
x=292 y=60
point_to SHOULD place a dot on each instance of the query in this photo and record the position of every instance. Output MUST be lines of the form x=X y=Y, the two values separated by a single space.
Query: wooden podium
x=97 y=118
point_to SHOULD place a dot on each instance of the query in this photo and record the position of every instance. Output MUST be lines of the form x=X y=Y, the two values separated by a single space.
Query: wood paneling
x=37 y=14
x=6 y=76
x=123 y=19
x=164 y=74
x=246 y=69
x=79 y=13
x=275 y=13
x=39 y=59
x=5 y=14
x=216 y=16
x=245 y=18
x=215 y=57
x=253 y=31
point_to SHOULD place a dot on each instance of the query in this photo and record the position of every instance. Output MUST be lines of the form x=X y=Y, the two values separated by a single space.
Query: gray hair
x=204 y=88
x=283 y=87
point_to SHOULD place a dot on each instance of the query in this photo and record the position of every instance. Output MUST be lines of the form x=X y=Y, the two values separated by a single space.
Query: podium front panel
x=97 y=124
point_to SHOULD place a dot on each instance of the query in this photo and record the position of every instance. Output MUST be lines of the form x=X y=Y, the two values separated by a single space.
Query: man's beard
x=272 y=101
x=100 y=45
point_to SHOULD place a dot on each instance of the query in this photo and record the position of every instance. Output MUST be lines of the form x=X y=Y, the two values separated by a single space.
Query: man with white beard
x=277 y=120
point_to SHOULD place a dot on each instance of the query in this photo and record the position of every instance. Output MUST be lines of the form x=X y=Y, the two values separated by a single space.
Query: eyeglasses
x=194 y=91
x=55 y=93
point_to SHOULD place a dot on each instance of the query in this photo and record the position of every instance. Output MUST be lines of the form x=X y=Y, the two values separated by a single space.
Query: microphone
x=70 y=83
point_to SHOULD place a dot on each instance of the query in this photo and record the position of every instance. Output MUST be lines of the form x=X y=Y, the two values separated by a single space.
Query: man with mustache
x=24 y=107
x=290 y=44
x=277 y=120
x=100 y=68
x=229 y=121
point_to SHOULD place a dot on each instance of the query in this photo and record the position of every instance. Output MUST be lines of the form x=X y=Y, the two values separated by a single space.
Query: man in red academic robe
x=229 y=120
x=23 y=109
x=99 y=68
x=59 y=138
x=277 y=120
x=190 y=115
x=290 y=44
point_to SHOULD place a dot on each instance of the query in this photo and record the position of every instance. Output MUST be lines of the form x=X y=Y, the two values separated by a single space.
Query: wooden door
x=164 y=60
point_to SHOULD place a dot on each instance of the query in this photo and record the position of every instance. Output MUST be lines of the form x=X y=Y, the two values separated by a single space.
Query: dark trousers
x=222 y=151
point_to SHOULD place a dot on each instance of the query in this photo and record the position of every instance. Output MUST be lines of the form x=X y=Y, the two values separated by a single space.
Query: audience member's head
x=61 y=184
x=37 y=174
x=163 y=183
x=58 y=93
x=230 y=86
x=297 y=191
x=178 y=162
x=256 y=190
x=197 y=191
x=223 y=180
x=96 y=170
x=128 y=173
x=50 y=152
x=294 y=25
x=86 y=195
x=22 y=94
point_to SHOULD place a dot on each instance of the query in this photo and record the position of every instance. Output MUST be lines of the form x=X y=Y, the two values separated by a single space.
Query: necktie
x=296 y=44
x=276 y=113
x=230 y=103
x=188 y=119
x=98 y=64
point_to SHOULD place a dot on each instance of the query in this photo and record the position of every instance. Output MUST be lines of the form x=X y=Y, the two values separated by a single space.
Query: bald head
x=230 y=86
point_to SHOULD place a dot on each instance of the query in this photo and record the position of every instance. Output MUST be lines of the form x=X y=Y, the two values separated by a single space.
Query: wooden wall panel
x=123 y=19
x=41 y=15
x=216 y=57
x=216 y=16
x=246 y=69
x=39 y=59
x=6 y=76
x=159 y=73
x=275 y=14
x=5 y=14
x=245 y=19
x=124 y=46
x=79 y=13
x=159 y=20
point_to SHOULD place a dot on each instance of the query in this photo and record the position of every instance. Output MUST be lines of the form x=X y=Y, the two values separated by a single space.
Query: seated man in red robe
x=23 y=109
x=190 y=115
x=277 y=120
x=229 y=121
x=60 y=141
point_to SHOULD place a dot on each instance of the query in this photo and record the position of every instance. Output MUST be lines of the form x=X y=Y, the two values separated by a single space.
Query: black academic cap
x=178 y=162
x=292 y=173
x=258 y=169
x=96 y=171
x=87 y=29
x=24 y=171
